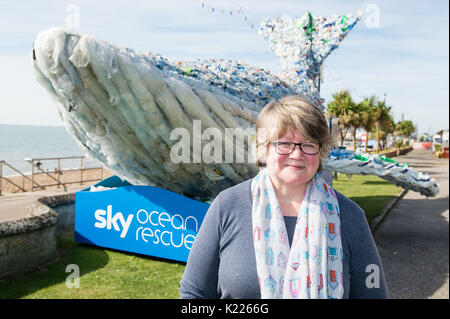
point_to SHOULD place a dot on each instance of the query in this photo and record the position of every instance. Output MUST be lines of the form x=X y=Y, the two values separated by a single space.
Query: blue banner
x=140 y=219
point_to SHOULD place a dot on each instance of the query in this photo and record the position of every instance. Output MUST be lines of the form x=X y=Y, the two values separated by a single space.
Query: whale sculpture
x=173 y=124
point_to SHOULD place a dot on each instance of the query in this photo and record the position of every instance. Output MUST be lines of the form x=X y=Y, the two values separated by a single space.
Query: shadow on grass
x=88 y=259
x=382 y=182
x=138 y=255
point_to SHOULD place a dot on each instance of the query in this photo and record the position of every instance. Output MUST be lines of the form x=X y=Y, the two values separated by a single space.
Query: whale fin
x=302 y=44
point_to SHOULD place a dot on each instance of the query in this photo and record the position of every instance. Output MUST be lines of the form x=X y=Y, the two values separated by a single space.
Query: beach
x=87 y=176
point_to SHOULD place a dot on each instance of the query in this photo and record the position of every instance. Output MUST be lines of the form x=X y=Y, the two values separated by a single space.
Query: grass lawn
x=371 y=193
x=104 y=274
x=109 y=274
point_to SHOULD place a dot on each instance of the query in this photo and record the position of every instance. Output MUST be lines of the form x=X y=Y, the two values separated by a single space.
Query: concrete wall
x=66 y=215
x=31 y=241
x=25 y=251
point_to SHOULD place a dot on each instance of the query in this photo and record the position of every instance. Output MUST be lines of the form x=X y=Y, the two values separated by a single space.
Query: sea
x=18 y=142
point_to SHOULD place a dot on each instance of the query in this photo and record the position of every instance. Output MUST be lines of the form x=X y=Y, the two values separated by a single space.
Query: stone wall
x=29 y=242
x=66 y=220
x=399 y=152
x=26 y=251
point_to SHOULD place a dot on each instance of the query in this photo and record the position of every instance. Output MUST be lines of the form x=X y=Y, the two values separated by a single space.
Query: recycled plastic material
x=122 y=106
x=347 y=162
x=302 y=45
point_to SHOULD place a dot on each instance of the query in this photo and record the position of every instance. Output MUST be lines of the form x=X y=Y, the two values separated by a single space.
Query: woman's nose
x=297 y=152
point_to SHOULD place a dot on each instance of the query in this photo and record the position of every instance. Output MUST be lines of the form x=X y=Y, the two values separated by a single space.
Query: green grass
x=104 y=274
x=109 y=274
x=371 y=193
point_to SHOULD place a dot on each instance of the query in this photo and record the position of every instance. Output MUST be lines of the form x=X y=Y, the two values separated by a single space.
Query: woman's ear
x=263 y=160
x=320 y=165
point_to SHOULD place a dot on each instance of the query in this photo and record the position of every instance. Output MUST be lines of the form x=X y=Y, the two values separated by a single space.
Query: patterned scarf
x=312 y=267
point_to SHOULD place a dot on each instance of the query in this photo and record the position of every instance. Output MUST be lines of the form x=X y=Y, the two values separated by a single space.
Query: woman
x=285 y=233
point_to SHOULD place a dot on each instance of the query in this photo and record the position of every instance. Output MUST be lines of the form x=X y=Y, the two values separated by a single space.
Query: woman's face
x=294 y=169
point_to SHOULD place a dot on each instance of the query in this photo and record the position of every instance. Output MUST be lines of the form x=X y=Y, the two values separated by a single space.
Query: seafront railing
x=53 y=175
x=4 y=163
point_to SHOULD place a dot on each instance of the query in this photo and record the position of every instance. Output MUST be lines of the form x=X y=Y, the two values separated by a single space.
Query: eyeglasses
x=285 y=148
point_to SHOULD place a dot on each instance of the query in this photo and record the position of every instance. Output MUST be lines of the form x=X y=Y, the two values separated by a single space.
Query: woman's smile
x=295 y=166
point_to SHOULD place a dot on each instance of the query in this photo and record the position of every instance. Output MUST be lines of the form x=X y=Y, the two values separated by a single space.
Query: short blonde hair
x=291 y=112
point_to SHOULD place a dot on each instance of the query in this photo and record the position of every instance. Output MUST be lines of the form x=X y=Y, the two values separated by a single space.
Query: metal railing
x=22 y=188
x=37 y=170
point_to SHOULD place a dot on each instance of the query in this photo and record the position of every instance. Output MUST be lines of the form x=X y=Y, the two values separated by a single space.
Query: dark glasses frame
x=294 y=145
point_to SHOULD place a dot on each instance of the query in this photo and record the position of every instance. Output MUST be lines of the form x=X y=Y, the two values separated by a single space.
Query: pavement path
x=413 y=239
x=12 y=206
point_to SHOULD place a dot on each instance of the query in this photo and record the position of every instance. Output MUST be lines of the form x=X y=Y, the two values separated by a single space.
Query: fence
x=54 y=176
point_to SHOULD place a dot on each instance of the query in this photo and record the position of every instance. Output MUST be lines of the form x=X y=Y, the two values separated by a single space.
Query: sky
x=399 y=49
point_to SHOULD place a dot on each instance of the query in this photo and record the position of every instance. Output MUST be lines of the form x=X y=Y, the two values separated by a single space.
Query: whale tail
x=302 y=45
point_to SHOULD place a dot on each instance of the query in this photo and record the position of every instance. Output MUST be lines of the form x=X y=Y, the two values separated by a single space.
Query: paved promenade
x=413 y=240
x=12 y=206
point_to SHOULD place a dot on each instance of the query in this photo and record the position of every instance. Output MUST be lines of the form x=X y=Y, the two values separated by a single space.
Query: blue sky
x=403 y=54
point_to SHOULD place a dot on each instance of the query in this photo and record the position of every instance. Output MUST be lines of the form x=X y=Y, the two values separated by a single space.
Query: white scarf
x=312 y=267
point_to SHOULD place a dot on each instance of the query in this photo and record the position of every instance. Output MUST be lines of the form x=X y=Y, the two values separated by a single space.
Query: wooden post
x=81 y=171
x=32 y=175
x=59 y=172
x=1 y=176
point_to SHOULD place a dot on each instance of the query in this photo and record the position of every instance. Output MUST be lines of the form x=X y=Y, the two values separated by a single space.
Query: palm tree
x=405 y=128
x=382 y=118
x=340 y=107
x=368 y=116
x=387 y=129
x=356 y=114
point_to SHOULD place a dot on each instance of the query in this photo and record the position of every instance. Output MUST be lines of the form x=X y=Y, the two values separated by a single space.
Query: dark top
x=222 y=261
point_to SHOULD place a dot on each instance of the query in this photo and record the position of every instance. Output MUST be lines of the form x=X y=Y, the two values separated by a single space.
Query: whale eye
x=34 y=55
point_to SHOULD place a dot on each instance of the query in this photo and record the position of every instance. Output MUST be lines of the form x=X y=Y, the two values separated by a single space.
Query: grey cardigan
x=222 y=262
